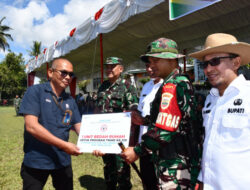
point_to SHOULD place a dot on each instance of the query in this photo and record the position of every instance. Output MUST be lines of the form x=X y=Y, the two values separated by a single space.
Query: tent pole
x=101 y=54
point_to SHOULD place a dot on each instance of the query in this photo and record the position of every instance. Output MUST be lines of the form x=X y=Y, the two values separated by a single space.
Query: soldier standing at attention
x=17 y=102
x=171 y=133
x=115 y=95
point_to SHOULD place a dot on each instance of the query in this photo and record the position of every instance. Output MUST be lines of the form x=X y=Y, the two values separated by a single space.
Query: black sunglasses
x=215 y=61
x=64 y=73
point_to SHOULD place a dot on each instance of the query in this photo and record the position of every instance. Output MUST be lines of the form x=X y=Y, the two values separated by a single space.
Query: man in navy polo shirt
x=49 y=114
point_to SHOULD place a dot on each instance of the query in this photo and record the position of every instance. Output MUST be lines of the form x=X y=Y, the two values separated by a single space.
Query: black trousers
x=35 y=179
x=148 y=173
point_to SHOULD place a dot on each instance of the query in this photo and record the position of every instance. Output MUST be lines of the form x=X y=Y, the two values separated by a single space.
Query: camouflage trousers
x=116 y=171
x=17 y=109
x=174 y=175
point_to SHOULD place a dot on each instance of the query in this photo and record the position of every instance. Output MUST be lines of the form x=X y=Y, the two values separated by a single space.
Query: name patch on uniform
x=206 y=111
x=169 y=120
x=169 y=115
x=235 y=110
x=48 y=100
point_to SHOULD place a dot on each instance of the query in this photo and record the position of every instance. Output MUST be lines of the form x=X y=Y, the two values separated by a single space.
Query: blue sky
x=47 y=21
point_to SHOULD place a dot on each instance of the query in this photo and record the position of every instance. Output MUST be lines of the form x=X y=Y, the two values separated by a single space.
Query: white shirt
x=226 y=153
x=147 y=96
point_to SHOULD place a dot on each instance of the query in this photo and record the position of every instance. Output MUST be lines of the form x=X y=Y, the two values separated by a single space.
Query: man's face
x=162 y=67
x=221 y=75
x=60 y=75
x=113 y=71
x=149 y=70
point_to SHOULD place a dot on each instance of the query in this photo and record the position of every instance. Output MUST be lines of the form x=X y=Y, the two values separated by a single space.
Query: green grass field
x=87 y=169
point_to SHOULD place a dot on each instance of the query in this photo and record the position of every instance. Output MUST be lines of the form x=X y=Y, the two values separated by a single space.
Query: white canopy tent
x=129 y=25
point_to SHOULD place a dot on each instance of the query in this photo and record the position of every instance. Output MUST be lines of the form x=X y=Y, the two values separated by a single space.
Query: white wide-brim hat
x=224 y=43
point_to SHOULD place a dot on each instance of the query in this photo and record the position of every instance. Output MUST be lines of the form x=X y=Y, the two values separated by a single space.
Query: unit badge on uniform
x=165 y=100
x=67 y=117
x=237 y=102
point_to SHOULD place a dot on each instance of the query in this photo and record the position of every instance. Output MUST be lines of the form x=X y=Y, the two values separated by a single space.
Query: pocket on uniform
x=235 y=121
x=116 y=101
x=116 y=96
x=235 y=131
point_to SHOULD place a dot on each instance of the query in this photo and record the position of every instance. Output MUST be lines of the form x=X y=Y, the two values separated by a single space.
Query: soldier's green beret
x=163 y=48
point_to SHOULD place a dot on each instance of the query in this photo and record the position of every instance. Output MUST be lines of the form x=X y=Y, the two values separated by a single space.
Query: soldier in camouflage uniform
x=115 y=95
x=172 y=135
x=17 y=102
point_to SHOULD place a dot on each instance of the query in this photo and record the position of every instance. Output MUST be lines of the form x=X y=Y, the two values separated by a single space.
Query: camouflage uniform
x=17 y=102
x=112 y=98
x=117 y=97
x=172 y=138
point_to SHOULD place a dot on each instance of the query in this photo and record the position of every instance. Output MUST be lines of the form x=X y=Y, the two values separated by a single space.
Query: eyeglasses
x=215 y=61
x=64 y=73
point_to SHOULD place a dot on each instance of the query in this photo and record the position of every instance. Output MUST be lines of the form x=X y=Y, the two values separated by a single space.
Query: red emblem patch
x=169 y=115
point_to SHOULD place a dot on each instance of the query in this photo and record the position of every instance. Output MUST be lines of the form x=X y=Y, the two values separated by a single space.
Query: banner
x=180 y=8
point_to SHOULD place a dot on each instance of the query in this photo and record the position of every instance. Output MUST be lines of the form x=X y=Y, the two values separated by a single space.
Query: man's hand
x=136 y=117
x=71 y=149
x=98 y=153
x=129 y=155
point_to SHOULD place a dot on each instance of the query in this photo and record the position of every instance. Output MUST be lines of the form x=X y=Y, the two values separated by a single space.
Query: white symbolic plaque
x=104 y=131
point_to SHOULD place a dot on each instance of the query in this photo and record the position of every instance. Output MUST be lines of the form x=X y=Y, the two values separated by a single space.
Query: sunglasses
x=215 y=61
x=64 y=73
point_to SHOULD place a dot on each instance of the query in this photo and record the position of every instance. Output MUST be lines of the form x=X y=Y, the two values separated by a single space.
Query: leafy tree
x=4 y=36
x=144 y=80
x=12 y=76
x=35 y=49
x=83 y=85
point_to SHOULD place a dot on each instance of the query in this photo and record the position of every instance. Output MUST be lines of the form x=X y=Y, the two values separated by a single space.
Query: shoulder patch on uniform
x=169 y=115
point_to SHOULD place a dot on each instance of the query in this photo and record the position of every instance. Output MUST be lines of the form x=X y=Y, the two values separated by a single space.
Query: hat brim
x=162 y=55
x=112 y=64
x=240 y=48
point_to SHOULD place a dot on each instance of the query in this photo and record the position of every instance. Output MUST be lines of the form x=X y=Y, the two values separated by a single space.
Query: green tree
x=248 y=66
x=35 y=49
x=144 y=80
x=83 y=85
x=12 y=76
x=4 y=36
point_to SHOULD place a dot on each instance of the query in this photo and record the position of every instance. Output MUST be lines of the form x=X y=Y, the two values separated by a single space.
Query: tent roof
x=130 y=38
